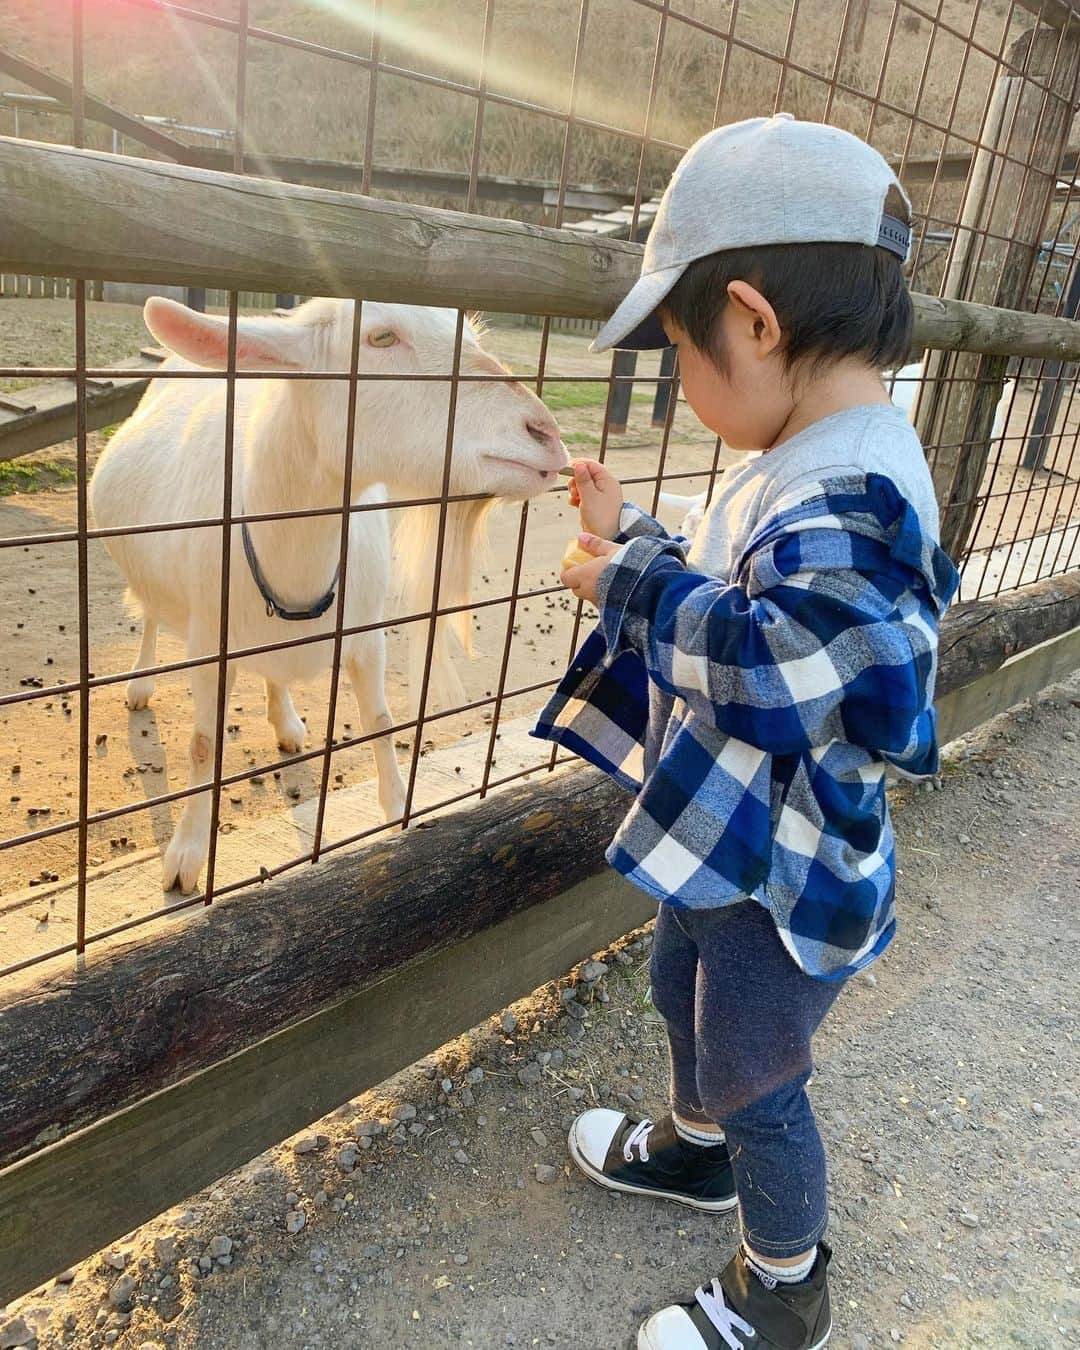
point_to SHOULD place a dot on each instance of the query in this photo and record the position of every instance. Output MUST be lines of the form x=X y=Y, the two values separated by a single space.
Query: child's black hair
x=831 y=300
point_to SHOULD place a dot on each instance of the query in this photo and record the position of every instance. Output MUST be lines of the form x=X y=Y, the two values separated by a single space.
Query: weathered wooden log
x=90 y=215
x=145 y=1013
x=75 y=1044
x=154 y=222
x=980 y=636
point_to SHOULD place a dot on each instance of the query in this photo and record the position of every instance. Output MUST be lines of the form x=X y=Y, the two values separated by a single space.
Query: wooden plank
x=51 y=418
x=1018 y=679
x=87 y=214
x=1002 y=222
x=72 y=1198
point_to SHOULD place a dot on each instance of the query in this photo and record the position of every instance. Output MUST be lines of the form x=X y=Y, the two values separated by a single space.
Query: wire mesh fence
x=598 y=97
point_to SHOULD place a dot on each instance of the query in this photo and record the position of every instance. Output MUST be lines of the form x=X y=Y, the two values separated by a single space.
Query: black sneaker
x=647 y=1158
x=746 y=1310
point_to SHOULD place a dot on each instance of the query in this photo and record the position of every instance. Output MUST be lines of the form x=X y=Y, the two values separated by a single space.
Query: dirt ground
x=440 y=1211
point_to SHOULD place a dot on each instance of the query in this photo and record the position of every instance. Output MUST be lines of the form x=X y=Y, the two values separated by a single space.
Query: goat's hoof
x=138 y=693
x=183 y=863
x=290 y=738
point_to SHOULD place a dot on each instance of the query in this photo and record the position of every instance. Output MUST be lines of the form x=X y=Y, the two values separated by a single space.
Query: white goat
x=167 y=464
x=905 y=392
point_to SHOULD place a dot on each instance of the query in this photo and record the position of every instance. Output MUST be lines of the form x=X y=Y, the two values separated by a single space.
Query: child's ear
x=757 y=314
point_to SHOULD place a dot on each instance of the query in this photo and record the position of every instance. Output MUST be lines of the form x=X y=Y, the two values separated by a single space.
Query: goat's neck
x=282 y=471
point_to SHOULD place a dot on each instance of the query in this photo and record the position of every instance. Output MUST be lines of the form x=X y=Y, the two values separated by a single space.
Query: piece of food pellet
x=575 y=555
x=567 y=471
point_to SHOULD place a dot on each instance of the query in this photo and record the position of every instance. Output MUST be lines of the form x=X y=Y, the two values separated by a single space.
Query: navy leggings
x=740 y=1014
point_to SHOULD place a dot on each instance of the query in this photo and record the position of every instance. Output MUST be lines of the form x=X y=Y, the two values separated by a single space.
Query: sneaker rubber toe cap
x=670 y=1329
x=591 y=1135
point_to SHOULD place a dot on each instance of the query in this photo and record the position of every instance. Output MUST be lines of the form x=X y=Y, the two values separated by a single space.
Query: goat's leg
x=283 y=717
x=140 y=687
x=365 y=661
x=190 y=844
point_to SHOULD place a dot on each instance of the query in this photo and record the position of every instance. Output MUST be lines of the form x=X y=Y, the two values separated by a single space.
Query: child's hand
x=598 y=496
x=583 y=578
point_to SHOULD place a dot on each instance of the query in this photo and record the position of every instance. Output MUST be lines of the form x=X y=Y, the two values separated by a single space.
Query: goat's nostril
x=542 y=432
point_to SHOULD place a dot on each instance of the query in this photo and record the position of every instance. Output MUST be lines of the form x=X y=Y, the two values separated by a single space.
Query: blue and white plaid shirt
x=755 y=718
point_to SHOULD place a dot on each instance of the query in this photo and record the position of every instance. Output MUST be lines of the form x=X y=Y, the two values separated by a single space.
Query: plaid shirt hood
x=754 y=718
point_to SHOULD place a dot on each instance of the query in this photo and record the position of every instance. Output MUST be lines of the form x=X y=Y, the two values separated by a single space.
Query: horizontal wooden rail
x=155 y=222
x=84 y=214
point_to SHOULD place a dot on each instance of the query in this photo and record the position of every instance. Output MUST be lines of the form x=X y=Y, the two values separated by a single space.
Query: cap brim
x=635 y=325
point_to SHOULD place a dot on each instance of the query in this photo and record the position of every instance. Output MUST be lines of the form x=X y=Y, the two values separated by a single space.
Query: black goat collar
x=273 y=604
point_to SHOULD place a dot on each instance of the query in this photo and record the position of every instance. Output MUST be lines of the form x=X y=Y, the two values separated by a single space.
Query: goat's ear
x=203 y=339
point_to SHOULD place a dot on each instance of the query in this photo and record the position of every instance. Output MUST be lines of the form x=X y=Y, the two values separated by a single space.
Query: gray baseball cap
x=769 y=180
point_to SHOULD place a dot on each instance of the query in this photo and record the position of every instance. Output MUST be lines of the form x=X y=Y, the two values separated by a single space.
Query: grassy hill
x=301 y=104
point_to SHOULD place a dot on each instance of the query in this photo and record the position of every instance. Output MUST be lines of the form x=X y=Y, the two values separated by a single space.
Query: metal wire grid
x=573 y=122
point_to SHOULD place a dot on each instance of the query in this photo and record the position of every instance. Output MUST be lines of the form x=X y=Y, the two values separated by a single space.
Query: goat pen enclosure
x=124 y=1019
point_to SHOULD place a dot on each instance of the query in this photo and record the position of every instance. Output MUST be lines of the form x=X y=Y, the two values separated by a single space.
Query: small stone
x=593 y=971
x=530 y=1074
x=405 y=1112
x=368 y=1129
x=963 y=838
x=16 y=1333
x=220 y=1246
x=346 y=1158
x=539 y=1138
x=474 y=1076
x=205 y=1265
x=121 y=1292
x=1037 y=1109
x=447 y=1086
x=545 y=1173
x=165 y=1250
x=461 y=1258
x=460 y=1156
x=969 y=1220
x=295 y=1220
x=509 y=1023
x=308 y=1144
x=116 y=1260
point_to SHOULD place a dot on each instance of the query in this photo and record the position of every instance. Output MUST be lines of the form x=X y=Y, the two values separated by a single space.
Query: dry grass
x=301 y=104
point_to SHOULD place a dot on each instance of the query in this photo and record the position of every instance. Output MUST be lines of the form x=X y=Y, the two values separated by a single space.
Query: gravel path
x=440 y=1210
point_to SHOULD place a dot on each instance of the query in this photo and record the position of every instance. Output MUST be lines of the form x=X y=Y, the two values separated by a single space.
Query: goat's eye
x=384 y=338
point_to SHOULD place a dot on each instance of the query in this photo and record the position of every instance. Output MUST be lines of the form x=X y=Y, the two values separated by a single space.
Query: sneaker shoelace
x=639 y=1139
x=726 y=1320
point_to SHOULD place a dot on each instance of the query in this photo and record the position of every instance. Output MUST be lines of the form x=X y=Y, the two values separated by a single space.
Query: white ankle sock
x=781 y=1274
x=693 y=1135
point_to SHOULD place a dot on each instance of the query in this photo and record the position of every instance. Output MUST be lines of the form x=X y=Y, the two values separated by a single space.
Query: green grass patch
x=34 y=475
x=561 y=394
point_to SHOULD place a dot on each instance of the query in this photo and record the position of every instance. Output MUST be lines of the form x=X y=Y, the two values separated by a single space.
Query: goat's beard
x=464 y=544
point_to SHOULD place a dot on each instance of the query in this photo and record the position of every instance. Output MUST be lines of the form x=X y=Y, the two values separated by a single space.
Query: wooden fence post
x=1055 y=375
x=1009 y=192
